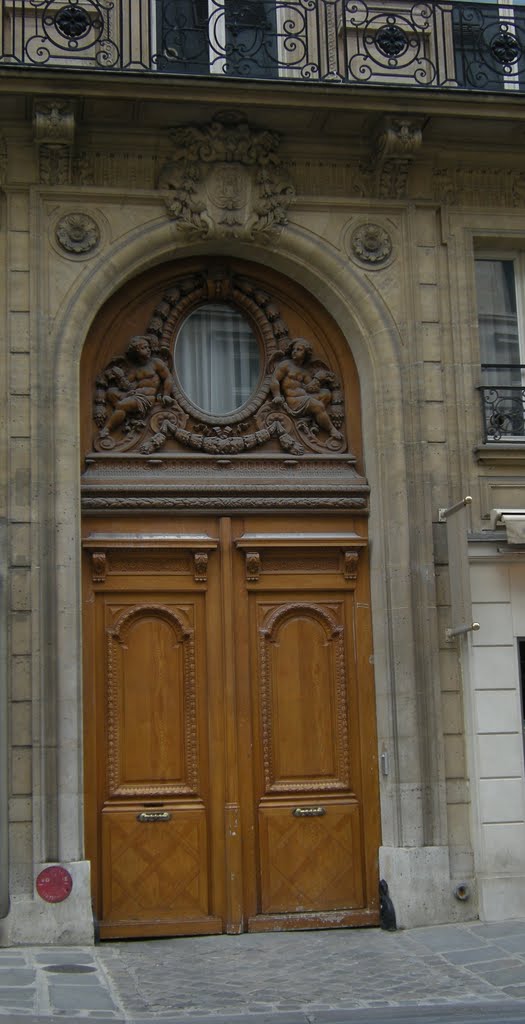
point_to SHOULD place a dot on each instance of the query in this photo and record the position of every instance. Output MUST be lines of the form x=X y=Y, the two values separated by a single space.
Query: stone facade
x=382 y=233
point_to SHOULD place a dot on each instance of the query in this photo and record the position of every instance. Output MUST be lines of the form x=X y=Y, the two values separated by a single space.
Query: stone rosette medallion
x=370 y=245
x=77 y=234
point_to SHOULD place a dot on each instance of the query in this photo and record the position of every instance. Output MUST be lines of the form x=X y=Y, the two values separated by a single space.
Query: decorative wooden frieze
x=253 y=566
x=98 y=566
x=297 y=406
x=225 y=180
x=200 y=563
x=351 y=559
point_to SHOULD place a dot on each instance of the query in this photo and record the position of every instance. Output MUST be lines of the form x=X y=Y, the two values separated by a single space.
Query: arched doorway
x=231 y=765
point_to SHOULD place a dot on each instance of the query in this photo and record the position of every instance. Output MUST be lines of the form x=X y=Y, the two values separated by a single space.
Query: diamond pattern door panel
x=310 y=862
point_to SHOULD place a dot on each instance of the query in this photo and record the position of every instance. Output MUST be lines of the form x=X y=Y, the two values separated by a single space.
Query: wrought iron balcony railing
x=443 y=45
x=503 y=402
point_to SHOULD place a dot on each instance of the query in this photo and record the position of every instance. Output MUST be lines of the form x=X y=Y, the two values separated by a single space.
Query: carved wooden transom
x=296 y=405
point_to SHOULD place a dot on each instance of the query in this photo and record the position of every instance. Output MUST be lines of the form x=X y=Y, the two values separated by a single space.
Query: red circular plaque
x=54 y=884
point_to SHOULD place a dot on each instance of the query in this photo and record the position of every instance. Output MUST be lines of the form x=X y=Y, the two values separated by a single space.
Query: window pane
x=217 y=359
x=497 y=313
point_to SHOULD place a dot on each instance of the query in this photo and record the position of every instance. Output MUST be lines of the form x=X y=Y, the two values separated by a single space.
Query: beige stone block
x=18 y=212
x=458 y=824
x=454 y=748
x=20 y=623
x=495 y=625
x=429 y=303
x=426 y=264
x=426 y=227
x=490 y=583
x=458 y=791
x=450 y=672
x=501 y=800
x=19 y=457
x=19 y=250
x=504 y=847
x=500 y=756
x=497 y=711
x=19 y=374
x=18 y=290
x=21 y=687
x=494 y=668
x=20 y=420
x=517 y=583
x=20 y=586
x=442 y=586
x=452 y=714
x=431 y=342
x=20 y=857
x=20 y=544
x=434 y=421
x=20 y=808
x=21 y=730
x=21 y=767
x=433 y=378
x=19 y=333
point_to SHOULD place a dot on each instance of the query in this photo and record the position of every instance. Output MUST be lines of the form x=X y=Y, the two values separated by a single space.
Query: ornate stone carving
x=225 y=179
x=479 y=186
x=77 y=233
x=396 y=143
x=140 y=405
x=54 y=132
x=370 y=243
x=253 y=566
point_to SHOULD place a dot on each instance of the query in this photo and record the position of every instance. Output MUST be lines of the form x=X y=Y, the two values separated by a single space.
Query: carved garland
x=335 y=633
x=116 y=635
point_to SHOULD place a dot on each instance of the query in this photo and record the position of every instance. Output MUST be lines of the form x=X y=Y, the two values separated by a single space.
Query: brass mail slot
x=308 y=812
x=154 y=816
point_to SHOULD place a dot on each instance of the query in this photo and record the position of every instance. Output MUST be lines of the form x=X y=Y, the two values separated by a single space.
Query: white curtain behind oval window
x=217 y=358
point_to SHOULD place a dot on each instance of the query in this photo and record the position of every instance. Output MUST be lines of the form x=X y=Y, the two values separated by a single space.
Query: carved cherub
x=135 y=389
x=303 y=389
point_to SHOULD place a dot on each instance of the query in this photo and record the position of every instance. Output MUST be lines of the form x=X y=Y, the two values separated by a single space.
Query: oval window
x=217 y=359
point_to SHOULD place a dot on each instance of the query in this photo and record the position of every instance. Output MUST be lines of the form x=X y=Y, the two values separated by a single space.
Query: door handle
x=308 y=812
x=154 y=816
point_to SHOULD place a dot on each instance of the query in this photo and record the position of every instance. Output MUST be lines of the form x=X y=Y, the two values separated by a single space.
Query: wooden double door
x=231 y=766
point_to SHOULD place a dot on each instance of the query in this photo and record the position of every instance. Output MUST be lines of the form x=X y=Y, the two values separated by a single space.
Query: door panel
x=229 y=728
x=310 y=861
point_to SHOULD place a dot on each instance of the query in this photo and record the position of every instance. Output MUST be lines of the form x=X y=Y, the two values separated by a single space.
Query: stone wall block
x=18 y=211
x=20 y=409
x=21 y=767
x=21 y=733
x=21 y=678
x=19 y=337
x=20 y=590
x=20 y=540
x=20 y=480
x=19 y=290
x=19 y=374
x=20 y=623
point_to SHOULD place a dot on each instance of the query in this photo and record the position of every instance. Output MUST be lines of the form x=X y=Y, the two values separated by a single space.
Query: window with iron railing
x=420 y=43
x=500 y=283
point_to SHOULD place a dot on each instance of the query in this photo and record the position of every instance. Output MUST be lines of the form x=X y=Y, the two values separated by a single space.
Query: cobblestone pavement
x=295 y=978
